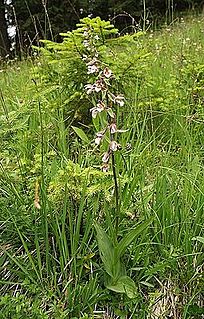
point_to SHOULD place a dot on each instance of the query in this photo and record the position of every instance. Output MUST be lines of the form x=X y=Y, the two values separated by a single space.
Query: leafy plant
x=53 y=261
x=111 y=253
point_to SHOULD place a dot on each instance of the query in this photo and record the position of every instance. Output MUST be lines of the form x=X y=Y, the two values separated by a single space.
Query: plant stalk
x=117 y=204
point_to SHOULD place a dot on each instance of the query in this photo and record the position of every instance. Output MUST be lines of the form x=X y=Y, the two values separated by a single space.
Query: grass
x=49 y=257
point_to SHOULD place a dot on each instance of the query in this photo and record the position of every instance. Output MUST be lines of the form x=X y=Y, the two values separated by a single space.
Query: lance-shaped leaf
x=82 y=135
x=131 y=235
x=107 y=252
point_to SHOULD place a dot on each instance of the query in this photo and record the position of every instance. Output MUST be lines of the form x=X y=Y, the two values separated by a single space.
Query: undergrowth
x=56 y=204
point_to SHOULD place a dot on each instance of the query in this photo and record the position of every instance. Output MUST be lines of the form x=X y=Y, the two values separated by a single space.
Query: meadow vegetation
x=63 y=252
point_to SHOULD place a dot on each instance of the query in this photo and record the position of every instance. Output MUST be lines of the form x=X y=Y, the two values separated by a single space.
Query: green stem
x=116 y=192
x=117 y=204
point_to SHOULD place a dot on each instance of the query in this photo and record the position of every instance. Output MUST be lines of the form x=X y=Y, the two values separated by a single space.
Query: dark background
x=45 y=19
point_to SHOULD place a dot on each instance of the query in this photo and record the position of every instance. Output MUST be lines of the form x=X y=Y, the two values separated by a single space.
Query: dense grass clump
x=77 y=242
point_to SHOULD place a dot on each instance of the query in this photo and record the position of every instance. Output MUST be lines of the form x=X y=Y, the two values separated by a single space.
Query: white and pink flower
x=105 y=168
x=106 y=157
x=119 y=99
x=100 y=106
x=114 y=146
x=107 y=73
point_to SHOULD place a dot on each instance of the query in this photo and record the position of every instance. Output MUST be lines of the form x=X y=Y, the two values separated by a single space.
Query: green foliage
x=111 y=254
x=21 y=306
x=82 y=135
x=63 y=75
x=195 y=312
x=72 y=179
x=201 y=239
x=50 y=257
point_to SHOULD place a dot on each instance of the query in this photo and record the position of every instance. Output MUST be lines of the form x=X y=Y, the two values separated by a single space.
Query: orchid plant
x=105 y=102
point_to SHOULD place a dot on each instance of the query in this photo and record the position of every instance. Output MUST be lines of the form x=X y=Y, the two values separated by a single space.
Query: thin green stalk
x=43 y=191
x=117 y=200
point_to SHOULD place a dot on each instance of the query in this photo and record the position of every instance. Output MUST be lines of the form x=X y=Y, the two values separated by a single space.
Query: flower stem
x=117 y=204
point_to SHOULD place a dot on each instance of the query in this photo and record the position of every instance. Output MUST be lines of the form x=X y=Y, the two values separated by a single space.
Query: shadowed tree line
x=4 y=39
x=45 y=19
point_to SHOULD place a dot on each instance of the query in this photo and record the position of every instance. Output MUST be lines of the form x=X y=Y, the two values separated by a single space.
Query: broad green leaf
x=201 y=239
x=126 y=241
x=107 y=252
x=124 y=285
x=82 y=135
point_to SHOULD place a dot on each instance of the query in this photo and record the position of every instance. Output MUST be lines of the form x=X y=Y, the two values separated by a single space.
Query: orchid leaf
x=107 y=252
x=81 y=134
x=131 y=235
x=124 y=285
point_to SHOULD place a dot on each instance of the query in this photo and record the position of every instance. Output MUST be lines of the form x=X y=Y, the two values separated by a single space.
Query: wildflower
x=101 y=105
x=98 y=139
x=105 y=168
x=93 y=66
x=107 y=73
x=106 y=157
x=84 y=57
x=86 y=43
x=107 y=100
x=99 y=136
x=89 y=88
x=99 y=86
x=86 y=34
x=119 y=99
x=92 y=69
x=97 y=109
x=94 y=112
x=113 y=128
x=114 y=146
